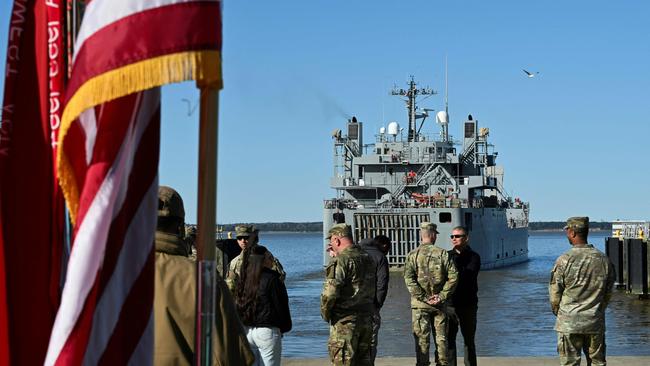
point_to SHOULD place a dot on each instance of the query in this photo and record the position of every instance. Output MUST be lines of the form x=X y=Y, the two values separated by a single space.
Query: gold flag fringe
x=202 y=66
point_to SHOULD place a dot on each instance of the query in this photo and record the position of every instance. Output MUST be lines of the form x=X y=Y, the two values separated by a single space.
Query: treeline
x=281 y=226
x=318 y=226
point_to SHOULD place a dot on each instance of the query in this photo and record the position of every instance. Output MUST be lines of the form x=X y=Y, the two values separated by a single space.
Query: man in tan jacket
x=175 y=297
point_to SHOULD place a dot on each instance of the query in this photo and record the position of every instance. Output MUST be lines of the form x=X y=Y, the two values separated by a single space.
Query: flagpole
x=206 y=221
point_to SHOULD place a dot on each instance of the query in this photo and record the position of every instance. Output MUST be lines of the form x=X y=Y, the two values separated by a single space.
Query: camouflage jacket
x=429 y=270
x=235 y=268
x=580 y=289
x=349 y=287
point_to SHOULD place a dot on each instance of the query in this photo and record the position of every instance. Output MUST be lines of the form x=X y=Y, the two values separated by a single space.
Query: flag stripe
x=88 y=123
x=143 y=351
x=147 y=152
x=133 y=320
x=106 y=150
x=124 y=263
x=100 y=14
x=89 y=247
x=169 y=30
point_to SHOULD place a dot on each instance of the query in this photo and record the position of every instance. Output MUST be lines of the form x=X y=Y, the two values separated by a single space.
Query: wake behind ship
x=392 y=185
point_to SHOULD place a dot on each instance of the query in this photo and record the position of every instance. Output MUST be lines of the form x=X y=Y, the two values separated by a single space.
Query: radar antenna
x=411 y=95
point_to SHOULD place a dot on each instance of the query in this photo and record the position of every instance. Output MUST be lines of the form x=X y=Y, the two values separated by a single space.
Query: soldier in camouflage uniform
x=247 y=235
x=580 y=289
x=190 y=239
x=431 y=278
x=348 y=298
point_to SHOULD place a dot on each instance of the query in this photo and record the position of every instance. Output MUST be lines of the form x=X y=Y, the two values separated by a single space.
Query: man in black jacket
x=465 y=298
x=378 y=248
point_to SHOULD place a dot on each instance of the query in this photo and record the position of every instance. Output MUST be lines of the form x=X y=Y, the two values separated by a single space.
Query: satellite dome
x=382 y=130
x=442 y=117
x=393 y=128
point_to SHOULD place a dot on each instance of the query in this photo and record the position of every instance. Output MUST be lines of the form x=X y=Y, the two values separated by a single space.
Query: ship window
x=469 y=130
x=514 y=252
x=379 y=150
x=432 y=150
x=444 y=217
x=353 y=131
x=497 y=256
x=506 y=254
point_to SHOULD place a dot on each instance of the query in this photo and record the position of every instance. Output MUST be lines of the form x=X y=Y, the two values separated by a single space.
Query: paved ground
x=483 y=361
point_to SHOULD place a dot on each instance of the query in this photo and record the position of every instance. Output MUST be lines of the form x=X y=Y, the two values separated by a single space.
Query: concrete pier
x=483 y=361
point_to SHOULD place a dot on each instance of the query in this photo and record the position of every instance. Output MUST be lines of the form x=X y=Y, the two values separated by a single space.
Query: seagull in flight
x=190 y=108
x=530 y=74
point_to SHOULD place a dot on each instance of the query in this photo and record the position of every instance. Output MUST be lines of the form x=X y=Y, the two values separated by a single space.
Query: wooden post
x=206 y=221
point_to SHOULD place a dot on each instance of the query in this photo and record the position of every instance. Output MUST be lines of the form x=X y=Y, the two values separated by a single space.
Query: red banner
x=30 y=208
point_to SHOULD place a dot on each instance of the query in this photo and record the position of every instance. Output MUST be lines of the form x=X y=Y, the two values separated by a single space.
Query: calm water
x=514 y=316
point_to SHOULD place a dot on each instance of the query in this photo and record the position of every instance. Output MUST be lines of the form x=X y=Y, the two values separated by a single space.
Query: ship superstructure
x=408 y=176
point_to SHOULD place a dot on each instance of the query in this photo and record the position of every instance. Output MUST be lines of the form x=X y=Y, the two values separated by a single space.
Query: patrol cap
x=425 y=225
x=342 y=230
x=244 y=230
x=190 y=230
x=577 y=223
x=170 y=203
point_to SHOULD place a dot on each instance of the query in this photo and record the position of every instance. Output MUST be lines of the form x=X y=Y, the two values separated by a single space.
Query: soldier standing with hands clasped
x=347 y=300
x=580 y=289
x=431 y=277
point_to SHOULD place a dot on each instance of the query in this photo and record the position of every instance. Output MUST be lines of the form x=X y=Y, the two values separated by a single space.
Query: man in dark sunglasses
x=247 y=235
x=465 y=298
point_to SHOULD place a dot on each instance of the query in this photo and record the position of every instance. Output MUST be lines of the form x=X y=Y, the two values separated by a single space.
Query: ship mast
x=445 y=126
x=411 y=95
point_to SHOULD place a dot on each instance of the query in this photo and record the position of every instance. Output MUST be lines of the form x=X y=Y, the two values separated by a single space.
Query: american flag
x=108 y=162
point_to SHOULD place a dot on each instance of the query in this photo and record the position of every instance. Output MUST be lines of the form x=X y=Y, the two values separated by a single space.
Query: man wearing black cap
x=580 y=289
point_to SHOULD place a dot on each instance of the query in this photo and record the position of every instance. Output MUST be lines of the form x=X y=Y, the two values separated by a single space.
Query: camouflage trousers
x=424 y=322
x=569 y=347
x=376 y=324
x=349 y=342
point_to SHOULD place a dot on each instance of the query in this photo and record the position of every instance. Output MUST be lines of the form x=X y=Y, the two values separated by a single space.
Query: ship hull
x=498 y=235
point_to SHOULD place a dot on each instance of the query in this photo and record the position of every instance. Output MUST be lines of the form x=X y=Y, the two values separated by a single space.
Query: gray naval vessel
x=406 y=177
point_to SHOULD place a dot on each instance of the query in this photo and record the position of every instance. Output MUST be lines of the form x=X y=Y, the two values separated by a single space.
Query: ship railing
x=631 y=230
x=426 y=202
x=517 y=223
x=340 y=204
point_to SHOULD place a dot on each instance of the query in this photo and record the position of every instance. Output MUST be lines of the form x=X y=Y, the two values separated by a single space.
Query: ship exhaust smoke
x=332 y=109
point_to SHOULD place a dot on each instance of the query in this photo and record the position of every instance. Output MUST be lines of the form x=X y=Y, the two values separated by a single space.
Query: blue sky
x=573 y=140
